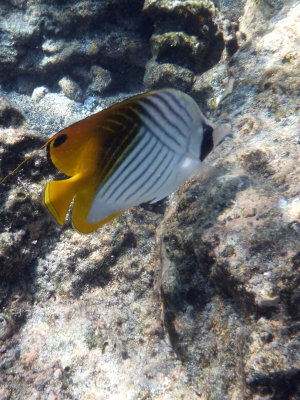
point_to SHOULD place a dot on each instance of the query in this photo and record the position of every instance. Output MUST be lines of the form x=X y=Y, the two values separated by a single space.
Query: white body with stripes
x=167 y=153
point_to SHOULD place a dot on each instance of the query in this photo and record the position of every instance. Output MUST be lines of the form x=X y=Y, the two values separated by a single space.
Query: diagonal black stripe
x=171 y=108
x=136 y=167
x=167 y=177
x=179 y=104
x=164 y=163
x=124 y=165
x=143 y=111
x=146 y=125
x=117 y=148
x=141 y=174
x=152 y=104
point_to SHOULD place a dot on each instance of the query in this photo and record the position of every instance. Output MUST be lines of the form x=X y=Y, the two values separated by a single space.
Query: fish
x=137 y=151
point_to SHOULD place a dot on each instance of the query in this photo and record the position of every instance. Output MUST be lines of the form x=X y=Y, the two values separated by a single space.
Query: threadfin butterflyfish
x=137 y=151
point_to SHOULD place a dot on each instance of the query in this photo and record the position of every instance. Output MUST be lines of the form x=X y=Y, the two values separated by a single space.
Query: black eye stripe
x=207 y=142
x=60 y=140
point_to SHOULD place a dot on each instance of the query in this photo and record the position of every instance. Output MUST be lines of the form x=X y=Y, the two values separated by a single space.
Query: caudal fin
x=220 y=132
x=58 y=196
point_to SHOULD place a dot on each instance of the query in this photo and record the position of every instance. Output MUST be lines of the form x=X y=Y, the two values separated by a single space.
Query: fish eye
x=60 y=140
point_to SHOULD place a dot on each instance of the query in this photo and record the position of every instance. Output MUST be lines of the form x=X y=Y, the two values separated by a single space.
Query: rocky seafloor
x=196 y=297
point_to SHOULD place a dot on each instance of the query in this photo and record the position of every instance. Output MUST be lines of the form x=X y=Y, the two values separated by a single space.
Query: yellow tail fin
x=58 y=196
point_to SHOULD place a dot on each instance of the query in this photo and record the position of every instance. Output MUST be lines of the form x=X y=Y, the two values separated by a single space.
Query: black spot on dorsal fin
x=56 y=143
x=60 y=140
x=207 y=142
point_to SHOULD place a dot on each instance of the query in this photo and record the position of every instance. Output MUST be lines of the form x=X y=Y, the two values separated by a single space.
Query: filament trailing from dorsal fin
x=26 y=159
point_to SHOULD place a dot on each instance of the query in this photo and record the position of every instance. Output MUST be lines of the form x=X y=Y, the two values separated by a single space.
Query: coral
x=185 y=35
x=101 y=80
x=43 y=42
x=70 y=88
x=168 y=75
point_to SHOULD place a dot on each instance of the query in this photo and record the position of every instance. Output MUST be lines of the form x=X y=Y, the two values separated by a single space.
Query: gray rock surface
x=70 y=88
x=161 y=75
x=41 y=42
x=196 y=297
x=9 y=115
x=101 y=80
x=186 y=37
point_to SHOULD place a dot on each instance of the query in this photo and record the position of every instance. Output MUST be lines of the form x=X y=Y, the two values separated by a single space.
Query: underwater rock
x=40 y=40
x=230 y=8
x=168 y=75
x=9 y=115
x=185 y=34
x=229 y=251
x=70 y=88
x=210 y=87
x=101 y=80
x=257 y=15
x=38 y=93
x=190 y=49
x=270 y=351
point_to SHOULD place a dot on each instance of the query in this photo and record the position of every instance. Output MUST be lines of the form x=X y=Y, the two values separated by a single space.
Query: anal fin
x=58 y=196
x=80 y=210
